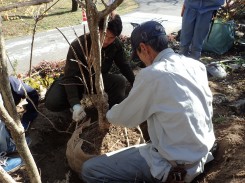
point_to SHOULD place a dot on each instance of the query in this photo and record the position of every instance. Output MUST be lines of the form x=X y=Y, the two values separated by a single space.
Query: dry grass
x=21 y=20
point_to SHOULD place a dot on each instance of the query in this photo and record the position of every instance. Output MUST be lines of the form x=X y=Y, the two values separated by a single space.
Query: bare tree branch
x=81 y=3
x=110 y=8
x=37 y=18
x=5 y=177
x=77 y=59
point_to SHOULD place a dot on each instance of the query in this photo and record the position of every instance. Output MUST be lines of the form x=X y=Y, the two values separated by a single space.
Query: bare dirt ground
x=48 y=145
x=229 y=124
x=51 y=131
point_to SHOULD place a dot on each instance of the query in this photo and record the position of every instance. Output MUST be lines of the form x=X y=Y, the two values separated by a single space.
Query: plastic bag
x=221 y=37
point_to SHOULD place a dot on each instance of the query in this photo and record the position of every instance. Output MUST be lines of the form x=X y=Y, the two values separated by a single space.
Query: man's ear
x=143 y=47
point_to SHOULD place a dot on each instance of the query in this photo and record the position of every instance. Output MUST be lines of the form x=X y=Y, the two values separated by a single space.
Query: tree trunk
x=75 y=155
x=94 y=17
x=74 y=6
x=11 y=118
x=5 y=177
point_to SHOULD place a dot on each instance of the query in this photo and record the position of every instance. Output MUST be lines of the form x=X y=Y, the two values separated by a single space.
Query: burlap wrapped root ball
x=87 y=142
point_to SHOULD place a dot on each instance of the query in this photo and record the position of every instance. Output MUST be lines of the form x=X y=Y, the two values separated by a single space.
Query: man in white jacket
x=173 y=95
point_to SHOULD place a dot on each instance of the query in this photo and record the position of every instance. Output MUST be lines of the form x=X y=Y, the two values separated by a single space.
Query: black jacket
x=112 y=53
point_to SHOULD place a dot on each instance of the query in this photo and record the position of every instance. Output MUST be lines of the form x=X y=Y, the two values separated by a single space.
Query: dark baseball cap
x=144 y=32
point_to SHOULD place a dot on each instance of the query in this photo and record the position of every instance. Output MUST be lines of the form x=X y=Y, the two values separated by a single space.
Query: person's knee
x=50 y=102
x=55 y=98
x=120 y=81
x=87 y=170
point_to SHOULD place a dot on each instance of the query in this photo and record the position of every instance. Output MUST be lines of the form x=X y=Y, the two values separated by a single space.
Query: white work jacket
x=173 y=96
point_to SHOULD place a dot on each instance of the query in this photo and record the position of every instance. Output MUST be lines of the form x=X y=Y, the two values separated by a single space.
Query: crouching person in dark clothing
x=68 y=90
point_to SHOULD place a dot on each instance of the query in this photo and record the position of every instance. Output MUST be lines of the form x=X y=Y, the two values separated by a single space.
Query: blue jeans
x=195 y=27
x=126 y=165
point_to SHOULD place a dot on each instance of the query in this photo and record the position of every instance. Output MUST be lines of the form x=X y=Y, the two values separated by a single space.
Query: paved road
x=51 y=45
x=163 y=7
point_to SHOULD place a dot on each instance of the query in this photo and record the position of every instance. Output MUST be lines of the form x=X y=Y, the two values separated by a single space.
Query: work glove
x=78 y=112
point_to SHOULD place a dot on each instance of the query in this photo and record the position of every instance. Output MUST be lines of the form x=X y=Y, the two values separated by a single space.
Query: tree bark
x=74 y=6
x=5 y=177
x=22 y=4
x=11 y=117
x=94 y=17
x=74 y=153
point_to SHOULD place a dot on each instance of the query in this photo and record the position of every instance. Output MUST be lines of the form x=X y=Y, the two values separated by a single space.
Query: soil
x=51 y=131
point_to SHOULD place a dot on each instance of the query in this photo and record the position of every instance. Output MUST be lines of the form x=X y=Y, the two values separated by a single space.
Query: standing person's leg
x=126 y=165
x=115 y=86
x=187 y=30
x=200 y=33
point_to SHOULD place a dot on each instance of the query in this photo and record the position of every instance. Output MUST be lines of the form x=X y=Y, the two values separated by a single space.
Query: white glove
x=78 y=112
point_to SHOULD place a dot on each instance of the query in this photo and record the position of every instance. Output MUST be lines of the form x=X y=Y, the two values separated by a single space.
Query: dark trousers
x=56 y=98
x=19 y=93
